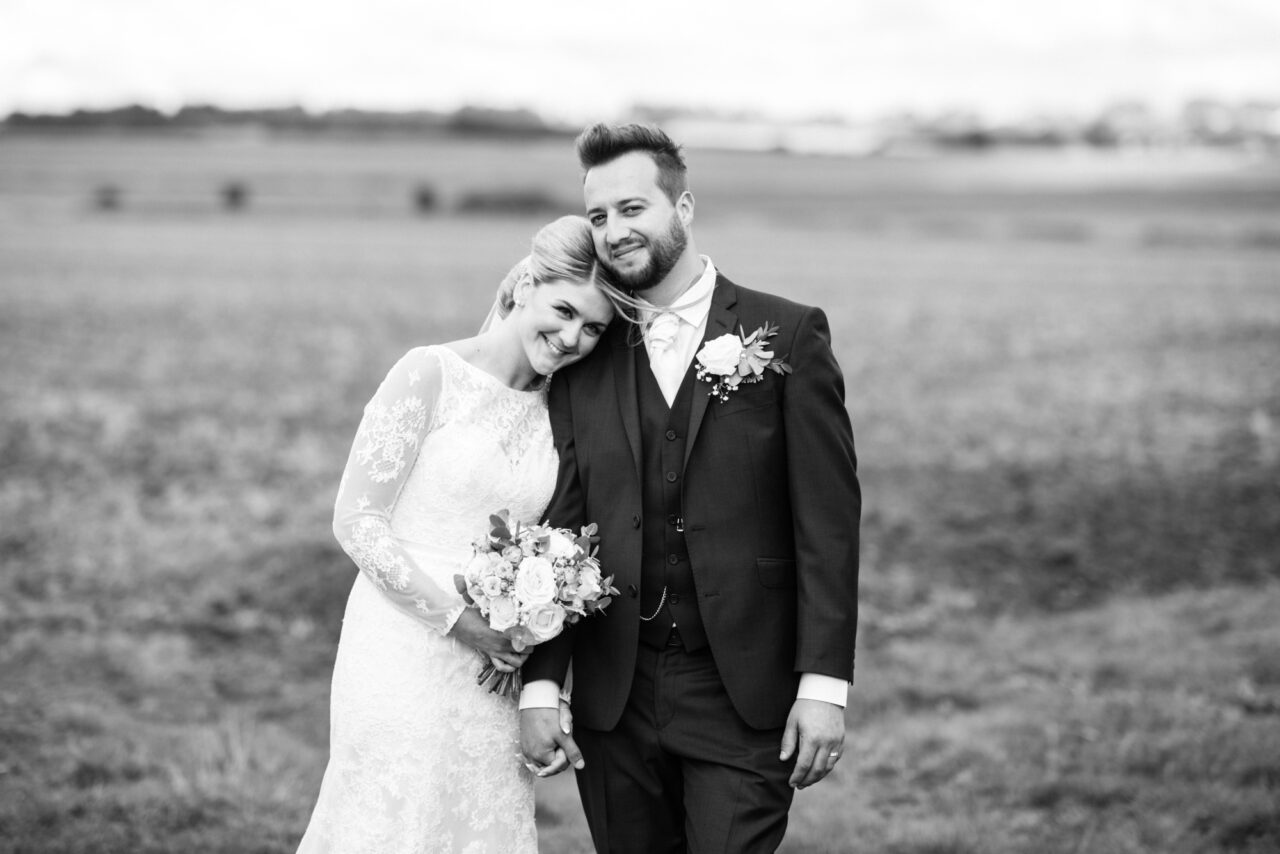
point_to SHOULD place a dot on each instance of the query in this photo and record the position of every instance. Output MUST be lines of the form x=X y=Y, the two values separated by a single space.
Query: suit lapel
x=624 y=375
x=720 y=320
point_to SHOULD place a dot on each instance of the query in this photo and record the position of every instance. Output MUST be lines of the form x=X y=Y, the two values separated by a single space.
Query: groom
x=715 y=685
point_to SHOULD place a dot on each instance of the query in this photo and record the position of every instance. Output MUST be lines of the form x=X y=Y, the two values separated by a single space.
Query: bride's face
x=561 y=322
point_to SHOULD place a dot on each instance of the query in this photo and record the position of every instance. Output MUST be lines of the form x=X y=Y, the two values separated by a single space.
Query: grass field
x=1064 y=377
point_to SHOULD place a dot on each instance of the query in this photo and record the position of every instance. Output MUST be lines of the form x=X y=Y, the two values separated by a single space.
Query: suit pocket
x=743 y=400
x=776 y=572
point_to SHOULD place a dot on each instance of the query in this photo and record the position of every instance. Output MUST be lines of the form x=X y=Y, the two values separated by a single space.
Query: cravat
x=659 y=341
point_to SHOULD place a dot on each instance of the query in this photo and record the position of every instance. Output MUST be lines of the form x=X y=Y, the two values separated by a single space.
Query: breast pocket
x=745 y=399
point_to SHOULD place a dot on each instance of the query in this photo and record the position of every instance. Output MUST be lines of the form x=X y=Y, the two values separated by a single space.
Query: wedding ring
x=835 y=754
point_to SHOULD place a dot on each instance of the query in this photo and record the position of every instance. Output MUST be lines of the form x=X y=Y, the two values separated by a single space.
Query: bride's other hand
x=473 y=630
x=566 y=717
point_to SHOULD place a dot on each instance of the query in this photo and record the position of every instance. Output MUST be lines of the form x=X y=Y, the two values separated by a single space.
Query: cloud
x=577 y=58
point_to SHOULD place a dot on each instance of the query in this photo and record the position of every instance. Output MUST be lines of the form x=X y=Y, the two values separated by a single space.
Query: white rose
x=502 y=614
x=535 y=581
x=546 y=622
x=559 y=545
x=477 y=568
x=491 y=586
x=721 y=356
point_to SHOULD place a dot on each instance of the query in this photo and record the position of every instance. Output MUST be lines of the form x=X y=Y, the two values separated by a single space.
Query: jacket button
x=632 y=591
x=635 y=521
x=671 y=435
x=673 y=559
x=674 y=598
x=671 y=477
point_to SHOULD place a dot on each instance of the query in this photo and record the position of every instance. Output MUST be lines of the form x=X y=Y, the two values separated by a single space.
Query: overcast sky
x=580 y=60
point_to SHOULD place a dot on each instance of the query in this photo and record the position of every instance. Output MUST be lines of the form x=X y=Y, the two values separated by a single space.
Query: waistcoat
x=664 y=558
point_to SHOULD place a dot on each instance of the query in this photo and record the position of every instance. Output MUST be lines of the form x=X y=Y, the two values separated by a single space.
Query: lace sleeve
x=395 y=424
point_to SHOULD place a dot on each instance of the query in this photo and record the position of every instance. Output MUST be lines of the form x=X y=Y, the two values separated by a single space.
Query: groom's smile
x=627 y=254
x=623 y=250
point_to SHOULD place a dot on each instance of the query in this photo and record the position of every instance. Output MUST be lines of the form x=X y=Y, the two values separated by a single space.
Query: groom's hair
x=602 y=143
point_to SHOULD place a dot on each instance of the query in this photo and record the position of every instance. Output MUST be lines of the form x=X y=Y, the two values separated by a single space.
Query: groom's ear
x=684 y=208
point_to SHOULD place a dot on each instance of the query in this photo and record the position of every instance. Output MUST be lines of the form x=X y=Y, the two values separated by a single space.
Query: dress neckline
x=490 y=378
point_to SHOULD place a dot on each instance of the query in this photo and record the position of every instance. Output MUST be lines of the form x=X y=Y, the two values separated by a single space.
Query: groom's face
x=639 y=234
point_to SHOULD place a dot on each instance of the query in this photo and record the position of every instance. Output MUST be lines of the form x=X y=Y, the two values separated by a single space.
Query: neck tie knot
x=661 y=332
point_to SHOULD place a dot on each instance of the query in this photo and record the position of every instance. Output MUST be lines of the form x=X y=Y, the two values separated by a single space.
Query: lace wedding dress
x=421 y=758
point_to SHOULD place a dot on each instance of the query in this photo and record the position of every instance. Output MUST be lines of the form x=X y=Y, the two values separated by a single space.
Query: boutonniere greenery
x=731 y=360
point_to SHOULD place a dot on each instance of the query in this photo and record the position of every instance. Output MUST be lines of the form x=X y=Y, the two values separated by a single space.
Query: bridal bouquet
x=530 y=581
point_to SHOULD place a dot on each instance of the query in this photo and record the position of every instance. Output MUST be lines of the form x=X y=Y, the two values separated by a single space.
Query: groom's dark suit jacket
x=770 y=502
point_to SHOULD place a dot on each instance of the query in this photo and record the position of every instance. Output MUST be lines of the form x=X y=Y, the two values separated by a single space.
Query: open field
x=1064 y=377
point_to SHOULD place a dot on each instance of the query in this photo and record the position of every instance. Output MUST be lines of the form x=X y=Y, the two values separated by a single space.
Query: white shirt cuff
x=540 y=694
x=816 y=686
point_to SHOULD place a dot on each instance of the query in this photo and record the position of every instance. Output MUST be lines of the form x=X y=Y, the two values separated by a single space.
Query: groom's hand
x=815 y=737
x=546 y=745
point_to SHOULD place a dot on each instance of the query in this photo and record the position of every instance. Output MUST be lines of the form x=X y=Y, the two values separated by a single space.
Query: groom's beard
x=664 y=251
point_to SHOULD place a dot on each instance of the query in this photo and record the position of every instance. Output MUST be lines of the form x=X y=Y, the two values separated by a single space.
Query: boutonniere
x=731 y=360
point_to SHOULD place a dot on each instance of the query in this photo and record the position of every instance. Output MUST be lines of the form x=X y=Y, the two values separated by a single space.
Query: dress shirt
x=675 y=333
x=669 y=359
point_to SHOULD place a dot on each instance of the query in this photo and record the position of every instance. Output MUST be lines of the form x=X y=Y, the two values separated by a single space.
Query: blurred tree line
x=1203 y=122
x=473 y=120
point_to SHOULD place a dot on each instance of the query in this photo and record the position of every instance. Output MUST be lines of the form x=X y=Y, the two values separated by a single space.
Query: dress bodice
x=442 y=446
x=488 y=448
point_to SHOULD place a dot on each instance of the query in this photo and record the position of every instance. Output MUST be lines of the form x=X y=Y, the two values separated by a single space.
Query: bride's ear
x=523 y=288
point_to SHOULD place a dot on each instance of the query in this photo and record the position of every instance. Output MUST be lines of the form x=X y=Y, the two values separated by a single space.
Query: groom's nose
x=615 y=230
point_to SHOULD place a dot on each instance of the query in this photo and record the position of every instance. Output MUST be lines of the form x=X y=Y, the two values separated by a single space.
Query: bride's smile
x=560 y=322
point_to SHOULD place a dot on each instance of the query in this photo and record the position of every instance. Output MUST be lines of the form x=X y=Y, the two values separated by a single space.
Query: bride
x=421 y=758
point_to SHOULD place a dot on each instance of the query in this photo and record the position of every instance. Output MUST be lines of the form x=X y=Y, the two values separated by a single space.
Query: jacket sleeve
x=826 y=501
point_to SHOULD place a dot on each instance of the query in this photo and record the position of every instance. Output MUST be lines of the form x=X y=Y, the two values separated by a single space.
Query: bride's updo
x=562 y=250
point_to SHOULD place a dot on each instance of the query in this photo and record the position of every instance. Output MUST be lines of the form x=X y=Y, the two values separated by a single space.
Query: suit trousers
x=682 y=771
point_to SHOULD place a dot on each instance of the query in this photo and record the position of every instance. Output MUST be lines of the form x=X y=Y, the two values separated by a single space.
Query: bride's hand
x=501 y=666
x=473 y=630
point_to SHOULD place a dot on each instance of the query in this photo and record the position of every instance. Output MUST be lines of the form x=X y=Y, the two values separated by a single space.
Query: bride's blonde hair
x=562 y=250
